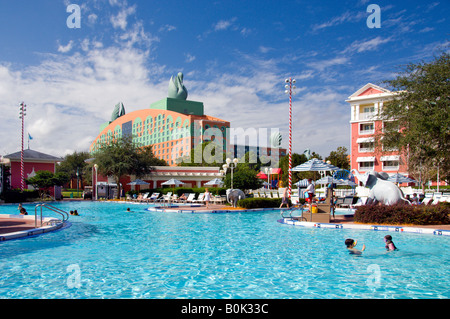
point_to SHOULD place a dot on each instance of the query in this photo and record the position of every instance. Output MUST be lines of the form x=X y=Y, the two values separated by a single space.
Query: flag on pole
x=29 y=138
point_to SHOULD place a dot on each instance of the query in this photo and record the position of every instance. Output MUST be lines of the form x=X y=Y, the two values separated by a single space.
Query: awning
x=365 y=159
x=365 y=140
x=390 y=158
x=275 y=171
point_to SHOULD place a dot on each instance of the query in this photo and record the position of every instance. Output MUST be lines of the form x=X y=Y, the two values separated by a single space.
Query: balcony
x=366 y=116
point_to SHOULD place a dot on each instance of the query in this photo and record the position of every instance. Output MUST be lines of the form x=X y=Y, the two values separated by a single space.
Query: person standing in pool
x=22 y=210
x=285 y=199
x=390 y=246
x=351 y=243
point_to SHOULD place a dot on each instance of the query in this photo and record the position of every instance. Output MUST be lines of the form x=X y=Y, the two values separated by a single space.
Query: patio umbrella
x=314 y=164
x=138 y=182
x=261 y=175
x=399 y=178
x=173 y=182
x=302 y=183
x=215 y=181
x=337 y=181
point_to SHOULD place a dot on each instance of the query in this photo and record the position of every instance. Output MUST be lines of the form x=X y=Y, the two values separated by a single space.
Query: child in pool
x=351 y=243
x=390 y=246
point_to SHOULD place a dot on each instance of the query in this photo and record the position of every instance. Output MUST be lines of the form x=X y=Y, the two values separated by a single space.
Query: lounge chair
x=348 y=201
x=153 y=197
x=165 y=198
x=218 y=199
x=190 y=198
x=143 y=198
x=200 y=198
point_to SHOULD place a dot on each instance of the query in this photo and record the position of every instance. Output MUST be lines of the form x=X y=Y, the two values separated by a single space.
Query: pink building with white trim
x=365 y=106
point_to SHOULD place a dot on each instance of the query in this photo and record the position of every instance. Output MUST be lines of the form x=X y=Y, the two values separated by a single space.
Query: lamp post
x=22 y=114
x=95 y=185
x=232 y=165
x=78 y=174
x=290 y=90
x=267 y=170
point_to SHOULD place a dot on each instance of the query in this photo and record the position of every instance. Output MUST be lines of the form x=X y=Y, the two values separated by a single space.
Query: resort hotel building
x=365 y=105
x=174 y=127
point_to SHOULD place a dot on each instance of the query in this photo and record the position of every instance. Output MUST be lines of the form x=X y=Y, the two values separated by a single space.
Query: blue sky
x=234 y=55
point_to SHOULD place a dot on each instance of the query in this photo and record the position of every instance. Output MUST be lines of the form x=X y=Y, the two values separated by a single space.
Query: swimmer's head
x=350 y=242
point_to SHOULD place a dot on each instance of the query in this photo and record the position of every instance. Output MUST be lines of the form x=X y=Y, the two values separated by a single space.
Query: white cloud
x=323 y=64
x=343 y=18
x=120 y=20
x=92 y=18
x=66 y=48
x=69 y=97
x=224 y=24
x=167 y=28
x=366 y=45
x=189 y=58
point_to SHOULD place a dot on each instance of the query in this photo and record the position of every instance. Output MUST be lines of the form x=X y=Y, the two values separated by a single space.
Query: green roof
x=180 y=106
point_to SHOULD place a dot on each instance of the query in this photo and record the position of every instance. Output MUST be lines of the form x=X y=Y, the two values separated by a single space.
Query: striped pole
x=290 y=136
x=22 y=168
x=289 y=90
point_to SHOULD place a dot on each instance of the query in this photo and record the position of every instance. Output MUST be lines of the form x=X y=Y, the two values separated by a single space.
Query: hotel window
x=366 y=147
x=365 y=166
x=366 y=128
x=390 y=163
x=366 y=163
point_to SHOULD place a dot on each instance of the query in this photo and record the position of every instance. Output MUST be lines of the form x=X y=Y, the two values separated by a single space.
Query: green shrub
x=250 y=203
x=403 y=214
x=17 y=196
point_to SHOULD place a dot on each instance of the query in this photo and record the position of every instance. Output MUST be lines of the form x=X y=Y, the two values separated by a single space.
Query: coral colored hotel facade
x=365 y=106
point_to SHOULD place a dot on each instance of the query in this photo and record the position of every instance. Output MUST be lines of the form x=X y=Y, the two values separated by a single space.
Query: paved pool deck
x=11 y=225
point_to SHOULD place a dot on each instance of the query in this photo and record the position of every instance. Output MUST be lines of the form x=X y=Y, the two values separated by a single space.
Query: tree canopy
x=417 y=120
x=123 y=157
x=43 y=180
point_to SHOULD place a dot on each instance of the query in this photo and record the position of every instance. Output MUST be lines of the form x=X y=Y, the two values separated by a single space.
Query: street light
x=95 y=185
x=267 y=170
x=290 y=87
x=232 y=165
x=78 y=192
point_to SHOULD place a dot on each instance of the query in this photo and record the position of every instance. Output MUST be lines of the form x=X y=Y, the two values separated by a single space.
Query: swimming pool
x=110 y=253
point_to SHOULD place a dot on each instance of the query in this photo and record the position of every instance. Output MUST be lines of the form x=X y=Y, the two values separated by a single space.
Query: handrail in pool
x=65 y=215
x=291 y=211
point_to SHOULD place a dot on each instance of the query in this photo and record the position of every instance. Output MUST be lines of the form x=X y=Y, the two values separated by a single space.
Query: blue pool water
x=109 y=253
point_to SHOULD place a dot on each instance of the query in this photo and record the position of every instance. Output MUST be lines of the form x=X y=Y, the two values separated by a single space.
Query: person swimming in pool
x=390 y=246
x=351 y=243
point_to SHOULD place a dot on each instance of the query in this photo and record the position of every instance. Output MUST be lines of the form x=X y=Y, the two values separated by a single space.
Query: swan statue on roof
x=119 y=110
x=176 y=88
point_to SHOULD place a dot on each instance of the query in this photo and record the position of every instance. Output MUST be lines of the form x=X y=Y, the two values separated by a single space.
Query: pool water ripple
x=236 y=255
